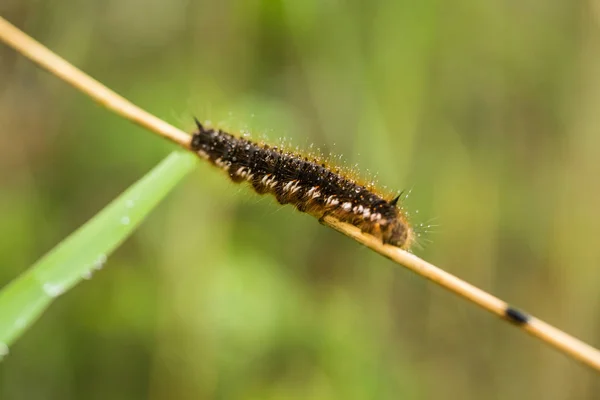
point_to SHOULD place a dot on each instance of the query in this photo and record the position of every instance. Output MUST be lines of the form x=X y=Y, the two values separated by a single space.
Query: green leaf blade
x=86 y=250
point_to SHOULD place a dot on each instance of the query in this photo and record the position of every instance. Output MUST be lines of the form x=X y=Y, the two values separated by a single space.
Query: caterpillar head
x=398 y=233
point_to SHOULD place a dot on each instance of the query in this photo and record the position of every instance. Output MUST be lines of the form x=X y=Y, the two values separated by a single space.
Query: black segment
x=515 y=316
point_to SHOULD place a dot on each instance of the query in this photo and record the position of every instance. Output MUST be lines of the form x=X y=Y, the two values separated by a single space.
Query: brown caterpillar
x=310 y=185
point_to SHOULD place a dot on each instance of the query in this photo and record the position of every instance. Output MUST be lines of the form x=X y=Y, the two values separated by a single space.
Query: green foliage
x=487 y=110
x=86 y=250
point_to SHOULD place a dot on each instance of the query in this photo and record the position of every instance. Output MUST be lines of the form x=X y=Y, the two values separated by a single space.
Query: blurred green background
x=489 y=111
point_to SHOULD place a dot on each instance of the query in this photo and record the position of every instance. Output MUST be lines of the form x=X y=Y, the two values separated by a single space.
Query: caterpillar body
x=309 y=184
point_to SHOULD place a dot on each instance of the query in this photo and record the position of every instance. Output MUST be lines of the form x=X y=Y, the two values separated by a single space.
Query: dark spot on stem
x=515 y=316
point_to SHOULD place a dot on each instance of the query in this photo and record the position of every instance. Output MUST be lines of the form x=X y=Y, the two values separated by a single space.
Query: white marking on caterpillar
x=291 y=186
x=265 y=179
x=224 y=165
x=297 y=186
x=332 y=201
x=313 y=192
x=204 y=155
x=272 y=182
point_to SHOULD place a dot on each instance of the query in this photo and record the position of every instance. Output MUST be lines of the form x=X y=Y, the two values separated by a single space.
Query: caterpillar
x=309 y=184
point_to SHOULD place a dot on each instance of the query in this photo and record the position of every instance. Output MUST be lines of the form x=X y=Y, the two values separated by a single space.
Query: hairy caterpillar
x=309 y=184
